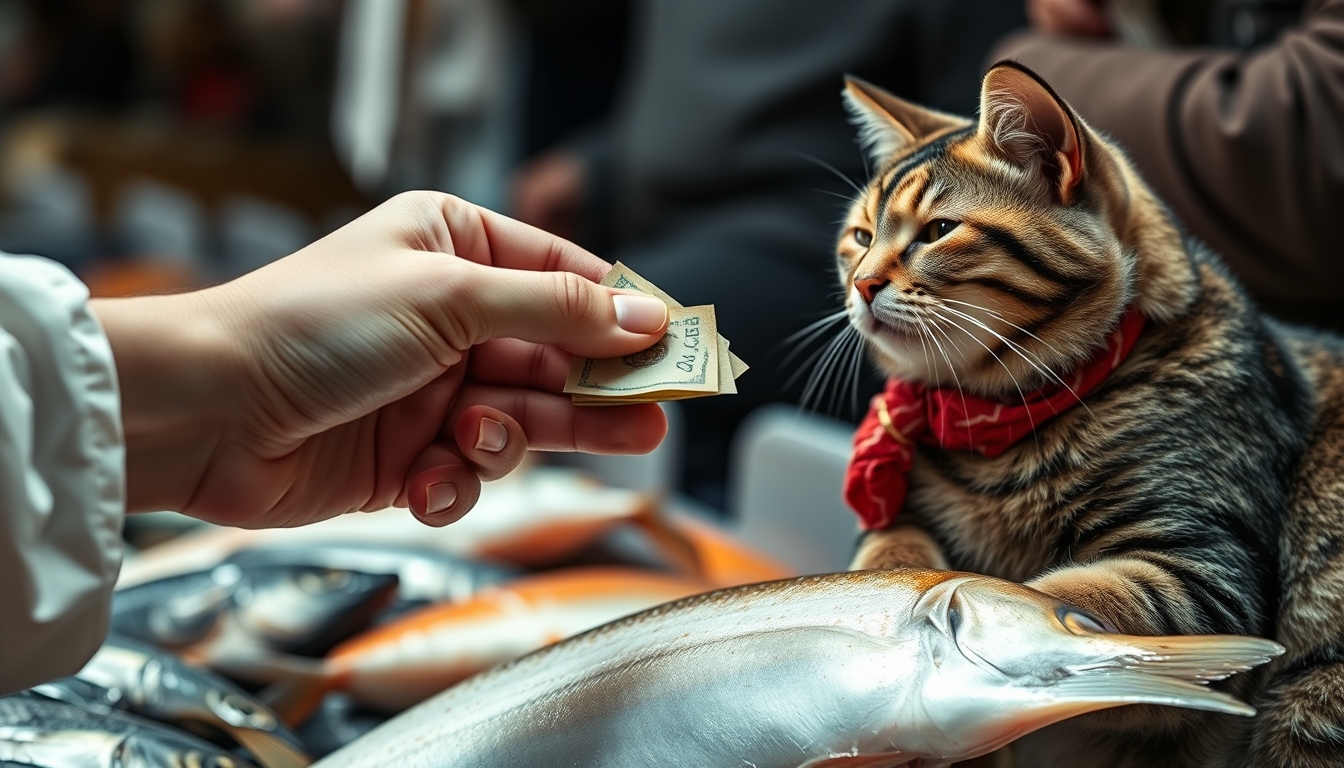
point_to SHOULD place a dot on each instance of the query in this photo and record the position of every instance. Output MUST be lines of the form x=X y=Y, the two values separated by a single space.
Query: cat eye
x=863 y=237
x=935 y=229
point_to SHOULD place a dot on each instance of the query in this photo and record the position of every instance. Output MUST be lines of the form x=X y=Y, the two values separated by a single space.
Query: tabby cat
x=1197 y=488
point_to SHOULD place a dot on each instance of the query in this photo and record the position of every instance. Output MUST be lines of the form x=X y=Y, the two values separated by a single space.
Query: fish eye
x=863 y=237
x=326 y=581
x=1081 y=623
x=953 y=619
x=198 y=760
x=236 y=710
x=936 y=229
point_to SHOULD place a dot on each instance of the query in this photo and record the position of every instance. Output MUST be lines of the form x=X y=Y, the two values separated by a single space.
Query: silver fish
x=875 y=669
x=41 y=732
x=243 y=612
x=424 y=575
x=145 y=681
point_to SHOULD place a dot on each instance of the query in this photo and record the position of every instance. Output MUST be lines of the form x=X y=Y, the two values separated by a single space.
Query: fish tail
x=296 y=684
x=1199 y=658
x=674 y=546
x=1085 y=693
x=1173 y=671
x=297 y=695
x=270 y=750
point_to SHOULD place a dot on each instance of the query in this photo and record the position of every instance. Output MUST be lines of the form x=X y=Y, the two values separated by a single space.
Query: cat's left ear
x=889 y=125
x=1030 y=126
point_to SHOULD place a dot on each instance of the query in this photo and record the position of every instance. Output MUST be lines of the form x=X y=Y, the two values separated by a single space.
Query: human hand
x=398 y=361
x=548 y=191
x=1069 y=18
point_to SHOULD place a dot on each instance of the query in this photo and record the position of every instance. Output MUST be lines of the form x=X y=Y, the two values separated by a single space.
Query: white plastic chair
x=785 y=481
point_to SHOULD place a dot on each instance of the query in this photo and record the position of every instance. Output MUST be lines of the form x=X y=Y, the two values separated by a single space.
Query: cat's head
x=997 y=252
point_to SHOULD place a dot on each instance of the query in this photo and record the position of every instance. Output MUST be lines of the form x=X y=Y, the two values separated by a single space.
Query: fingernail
x=640 y=314
x=492 y=436
x=439 y=497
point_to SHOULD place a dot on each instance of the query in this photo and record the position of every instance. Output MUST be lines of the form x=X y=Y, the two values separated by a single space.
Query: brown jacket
x=1246 y=147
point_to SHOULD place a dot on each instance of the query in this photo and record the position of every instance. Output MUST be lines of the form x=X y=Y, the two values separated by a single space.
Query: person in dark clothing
x=711 y=180
x=1243 y=136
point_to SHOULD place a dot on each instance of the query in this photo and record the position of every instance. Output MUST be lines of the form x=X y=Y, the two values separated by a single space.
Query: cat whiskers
x=998 y=315
x=1026 y=354
x=809 y=333
x=1006 y=369
x=805 y=336
x=950 y=367
x=832 y=361
x=831 y=168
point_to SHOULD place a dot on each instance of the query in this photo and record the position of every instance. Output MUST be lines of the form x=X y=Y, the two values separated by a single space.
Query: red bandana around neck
x=905 y=413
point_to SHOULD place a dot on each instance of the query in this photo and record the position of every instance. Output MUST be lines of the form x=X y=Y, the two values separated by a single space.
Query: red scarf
x=905 y=413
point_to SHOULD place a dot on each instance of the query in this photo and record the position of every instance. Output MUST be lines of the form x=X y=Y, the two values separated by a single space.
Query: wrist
x=171 y=356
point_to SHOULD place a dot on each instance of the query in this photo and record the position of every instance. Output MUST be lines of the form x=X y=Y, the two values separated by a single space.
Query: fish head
x=177 y=611
x=1007 y=660
x=1012 y=631
x=166 y=688
x=45 y=732
x=305 y=610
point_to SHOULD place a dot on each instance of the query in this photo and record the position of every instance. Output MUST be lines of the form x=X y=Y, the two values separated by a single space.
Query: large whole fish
x=145 y=681
x=873 y=669
x=45 y=733
x=233 y=612
x=399 y=664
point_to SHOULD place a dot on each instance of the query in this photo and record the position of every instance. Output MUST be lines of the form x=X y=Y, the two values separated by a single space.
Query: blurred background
x=164 y=143
x=156 y=145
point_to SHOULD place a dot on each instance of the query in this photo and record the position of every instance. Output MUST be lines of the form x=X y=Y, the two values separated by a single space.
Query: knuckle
x=576 y=296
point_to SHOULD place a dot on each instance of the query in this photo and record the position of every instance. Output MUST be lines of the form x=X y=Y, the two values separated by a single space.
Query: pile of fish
x=574 y=625
x=271 y=648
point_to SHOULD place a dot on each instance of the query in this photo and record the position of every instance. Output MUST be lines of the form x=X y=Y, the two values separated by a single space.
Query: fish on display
x=396 y=665
x=424 y=575
x=871 y=668
x=42 y=732
x=145 y=681
x=233 y=612
x=534 y=519
x=724 y=559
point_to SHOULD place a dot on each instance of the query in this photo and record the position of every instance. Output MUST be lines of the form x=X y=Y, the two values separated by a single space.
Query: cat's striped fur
x=1199 y=490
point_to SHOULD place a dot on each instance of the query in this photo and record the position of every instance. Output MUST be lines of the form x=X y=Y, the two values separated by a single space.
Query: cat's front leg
x=1301 y=716
x=898 y=546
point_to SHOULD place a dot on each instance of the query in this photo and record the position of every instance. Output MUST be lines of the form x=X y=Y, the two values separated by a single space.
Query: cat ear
x=1031 y=127
x=888 y=124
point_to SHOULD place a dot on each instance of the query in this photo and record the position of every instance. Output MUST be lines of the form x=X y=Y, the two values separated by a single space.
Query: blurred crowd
x=160 y=144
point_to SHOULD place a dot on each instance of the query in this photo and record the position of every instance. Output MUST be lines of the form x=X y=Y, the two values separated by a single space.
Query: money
x=691 y=360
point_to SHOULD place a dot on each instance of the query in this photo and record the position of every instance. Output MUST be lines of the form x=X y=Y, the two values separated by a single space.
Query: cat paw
x=902 y=546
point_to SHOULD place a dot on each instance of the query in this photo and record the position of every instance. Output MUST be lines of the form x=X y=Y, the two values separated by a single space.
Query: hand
x=398 y=361
x=1069 y=18
x=547 y=193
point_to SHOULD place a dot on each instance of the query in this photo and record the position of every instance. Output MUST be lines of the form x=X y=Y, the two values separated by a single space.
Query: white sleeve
x=61 y=474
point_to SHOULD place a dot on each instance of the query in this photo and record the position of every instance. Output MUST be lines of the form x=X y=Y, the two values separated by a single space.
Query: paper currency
x=691 y=360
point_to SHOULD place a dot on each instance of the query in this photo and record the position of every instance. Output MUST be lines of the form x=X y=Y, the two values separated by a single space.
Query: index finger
x=490 y=238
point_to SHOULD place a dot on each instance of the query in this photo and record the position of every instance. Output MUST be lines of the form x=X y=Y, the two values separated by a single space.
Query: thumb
x=563 y=309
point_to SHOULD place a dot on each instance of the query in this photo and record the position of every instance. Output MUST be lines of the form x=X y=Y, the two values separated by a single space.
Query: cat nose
x=869 y=286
